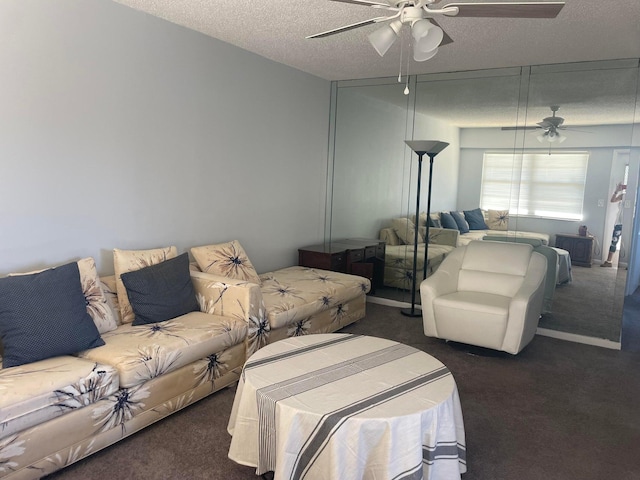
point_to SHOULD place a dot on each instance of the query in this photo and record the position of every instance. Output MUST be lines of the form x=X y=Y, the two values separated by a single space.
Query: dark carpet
x=558 y=410
x=590 y=305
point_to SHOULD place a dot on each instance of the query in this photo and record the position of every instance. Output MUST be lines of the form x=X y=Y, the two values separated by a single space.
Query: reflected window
x=535 y=184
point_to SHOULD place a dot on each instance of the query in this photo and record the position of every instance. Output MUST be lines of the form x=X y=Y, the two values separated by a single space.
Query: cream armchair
x=487 y=294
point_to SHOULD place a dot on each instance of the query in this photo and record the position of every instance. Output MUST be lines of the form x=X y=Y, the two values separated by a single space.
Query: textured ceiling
x=585 y=30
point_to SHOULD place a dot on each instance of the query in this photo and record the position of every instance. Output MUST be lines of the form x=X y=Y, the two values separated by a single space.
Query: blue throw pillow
x=475 y=219
x=447 y=221
x=162 y=291
x=462 y=224
x=44 y=315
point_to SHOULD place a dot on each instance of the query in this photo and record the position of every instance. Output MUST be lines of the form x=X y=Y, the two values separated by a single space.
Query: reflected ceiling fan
x=549 y=129
x=418 y=15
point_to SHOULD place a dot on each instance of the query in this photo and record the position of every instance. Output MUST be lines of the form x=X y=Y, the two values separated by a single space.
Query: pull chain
x=401 y=52
x=406 y=88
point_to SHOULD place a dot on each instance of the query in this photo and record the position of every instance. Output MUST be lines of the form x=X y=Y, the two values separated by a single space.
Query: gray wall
x=122 y=130
x=371 y=165
x=374 y=172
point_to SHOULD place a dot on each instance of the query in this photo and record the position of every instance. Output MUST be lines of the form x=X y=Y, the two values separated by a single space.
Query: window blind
x=535 y=184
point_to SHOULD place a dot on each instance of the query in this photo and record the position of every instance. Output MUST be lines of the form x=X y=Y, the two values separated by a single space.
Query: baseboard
x=388 y=302
x=545 y=332
x=574 y=337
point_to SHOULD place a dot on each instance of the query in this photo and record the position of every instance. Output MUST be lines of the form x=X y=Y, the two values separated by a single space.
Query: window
x=536 y=184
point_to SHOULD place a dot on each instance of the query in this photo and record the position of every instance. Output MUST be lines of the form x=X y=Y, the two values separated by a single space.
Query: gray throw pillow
x=447 y=221
x=462 y=224
x=44 y=315
x=475 y=219
x=162 y=291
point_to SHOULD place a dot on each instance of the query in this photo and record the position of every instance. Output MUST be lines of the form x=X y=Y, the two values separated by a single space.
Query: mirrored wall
x=373 y=174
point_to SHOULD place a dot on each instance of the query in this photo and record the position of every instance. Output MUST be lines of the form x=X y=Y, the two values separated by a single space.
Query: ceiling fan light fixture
x=551 y=136
x=420 y=56
x=384 y=37
x=427 y=35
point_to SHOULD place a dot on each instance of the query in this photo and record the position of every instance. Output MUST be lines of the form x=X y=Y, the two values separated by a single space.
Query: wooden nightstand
x=580 y=248
x=358 y=256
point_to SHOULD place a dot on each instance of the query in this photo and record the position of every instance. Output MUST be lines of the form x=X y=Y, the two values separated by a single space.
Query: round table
x=341 y=406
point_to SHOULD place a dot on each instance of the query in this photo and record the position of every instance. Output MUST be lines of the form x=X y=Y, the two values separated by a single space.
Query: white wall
x=122 y=130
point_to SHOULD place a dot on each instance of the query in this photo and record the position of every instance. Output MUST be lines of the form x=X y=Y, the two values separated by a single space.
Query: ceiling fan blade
x=571 y=129
x=508 y=9
x=446 y=39
x=519 y=128
x=367 y=3
x=348 y=27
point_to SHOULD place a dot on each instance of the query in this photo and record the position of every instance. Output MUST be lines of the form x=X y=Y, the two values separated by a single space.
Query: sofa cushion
x=129 y=260
x=44 y=315
x=162 y=291
x=472 y=317
x=97 y=304
x=462 y=224
x=475 y=219
x=32 y=394
x=295 y=293
x=109 y=289
x=448 y=221
x=142 y=352
x=406 y=230
x=498 y=219
x=434 y=219
x=227 y=259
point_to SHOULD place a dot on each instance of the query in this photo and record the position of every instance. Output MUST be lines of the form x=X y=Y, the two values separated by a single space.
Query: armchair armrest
x=443 y=281
x=234 y=298
x=526 y=305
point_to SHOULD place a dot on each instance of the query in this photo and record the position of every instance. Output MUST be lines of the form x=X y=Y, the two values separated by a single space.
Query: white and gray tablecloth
x=347 y=407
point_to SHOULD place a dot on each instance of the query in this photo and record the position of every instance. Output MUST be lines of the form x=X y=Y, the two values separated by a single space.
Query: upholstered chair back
x=487 y=267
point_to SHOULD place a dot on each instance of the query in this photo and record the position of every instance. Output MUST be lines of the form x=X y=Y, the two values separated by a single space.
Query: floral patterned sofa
x=398 y=262
x=447 y=230
x=57 y=410
x=284 y=303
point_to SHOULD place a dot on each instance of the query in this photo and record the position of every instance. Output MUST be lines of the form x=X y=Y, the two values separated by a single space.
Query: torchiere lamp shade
x=430 y=147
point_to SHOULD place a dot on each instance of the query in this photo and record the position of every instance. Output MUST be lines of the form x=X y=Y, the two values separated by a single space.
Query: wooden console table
x=580 y=248
x=358 y=256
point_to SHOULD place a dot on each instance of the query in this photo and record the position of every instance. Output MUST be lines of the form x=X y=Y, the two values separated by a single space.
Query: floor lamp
x=430 y=148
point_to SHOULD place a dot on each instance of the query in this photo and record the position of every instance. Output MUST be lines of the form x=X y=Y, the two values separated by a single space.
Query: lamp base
x=411 y=312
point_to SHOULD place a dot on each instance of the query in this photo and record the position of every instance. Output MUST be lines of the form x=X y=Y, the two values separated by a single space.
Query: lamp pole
x=412 y=312
x=426 y=237
x=430 y=148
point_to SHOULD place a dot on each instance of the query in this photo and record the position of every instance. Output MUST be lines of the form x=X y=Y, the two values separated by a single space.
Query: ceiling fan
x=549 y=129
x=419 y=15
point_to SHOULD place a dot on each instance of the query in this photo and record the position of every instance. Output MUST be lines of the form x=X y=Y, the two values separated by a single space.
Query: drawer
x=369 y=252
x=356 y=255
x=325 y=261
x=337 y=262
x=380 y=250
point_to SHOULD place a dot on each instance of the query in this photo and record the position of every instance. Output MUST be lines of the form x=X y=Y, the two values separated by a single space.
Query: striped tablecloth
x=347 y=407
